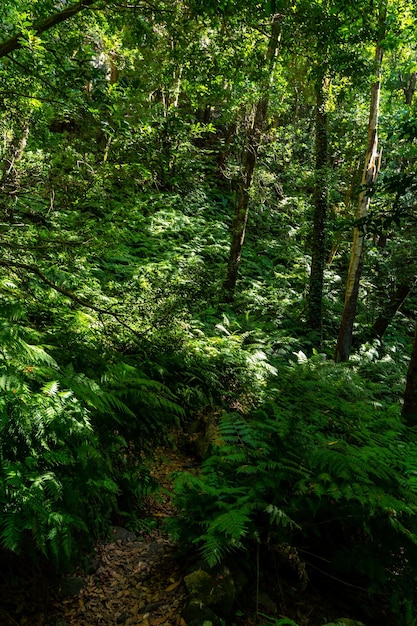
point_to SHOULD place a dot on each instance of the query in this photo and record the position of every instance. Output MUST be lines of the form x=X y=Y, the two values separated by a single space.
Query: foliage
x=57 y=486
x=67 y=444
x=122 y=140
x=321 y=464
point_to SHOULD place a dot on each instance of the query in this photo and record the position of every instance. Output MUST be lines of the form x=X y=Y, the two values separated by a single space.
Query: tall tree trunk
x=241 y=206
x=397 y=300
x=409 y=88
x=370 y=171
x=9 y=177
x=315 y=297
x=225 y=151
x=409 y=410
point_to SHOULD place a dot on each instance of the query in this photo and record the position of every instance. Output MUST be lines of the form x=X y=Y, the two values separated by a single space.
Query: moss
x=215 y=590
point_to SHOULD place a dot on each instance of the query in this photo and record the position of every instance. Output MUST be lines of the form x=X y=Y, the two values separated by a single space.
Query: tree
x=408 y=278
x=370 y=172
x=29 y=34
x=315 y=296
x=409 y=409
x=254 y=136
x=330 y=33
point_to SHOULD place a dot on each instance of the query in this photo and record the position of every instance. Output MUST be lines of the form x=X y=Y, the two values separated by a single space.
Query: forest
x=207 y=218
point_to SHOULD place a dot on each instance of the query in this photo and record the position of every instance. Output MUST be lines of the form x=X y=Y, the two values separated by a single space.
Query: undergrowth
x=321 y=464
x=70 y=443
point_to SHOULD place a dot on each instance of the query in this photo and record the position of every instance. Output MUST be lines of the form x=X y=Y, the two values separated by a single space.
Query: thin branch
x=340 y=580
x=15 y=42
x=6 y=94
x=29 y=73
x=26 y=70
x=69 y=294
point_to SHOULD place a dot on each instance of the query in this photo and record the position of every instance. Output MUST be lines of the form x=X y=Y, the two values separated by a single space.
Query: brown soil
x=138 y=580
x=135 y=579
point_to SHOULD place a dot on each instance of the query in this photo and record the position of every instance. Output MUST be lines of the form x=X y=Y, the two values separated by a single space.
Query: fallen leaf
x=173 y=586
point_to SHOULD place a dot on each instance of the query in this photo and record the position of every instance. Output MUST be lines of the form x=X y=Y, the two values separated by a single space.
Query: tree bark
x=385 y=318
x=9 y=177
x=370 y=171
x=315 y=297
x=395 y=303
x=15 y=42
x=410 y=88
x=241 y=206
x=409 y=410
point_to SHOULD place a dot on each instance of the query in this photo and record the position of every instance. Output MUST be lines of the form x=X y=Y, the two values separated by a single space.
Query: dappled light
x=208 y=344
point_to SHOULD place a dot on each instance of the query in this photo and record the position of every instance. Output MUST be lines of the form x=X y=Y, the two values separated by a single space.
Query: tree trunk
x=395 y=303
x=370 y=171
x=391 y=308
x=409 y=410
x=241 y=207
x=224 y=153
x=410 y=88
x=315 y=297
x=9 y=177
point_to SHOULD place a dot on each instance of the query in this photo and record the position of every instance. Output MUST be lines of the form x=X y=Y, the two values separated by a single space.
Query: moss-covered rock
x=195 y=613
x=215 y=589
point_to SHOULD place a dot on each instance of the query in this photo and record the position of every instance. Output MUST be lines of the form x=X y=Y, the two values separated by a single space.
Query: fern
x=56 y=484
x=310 y=463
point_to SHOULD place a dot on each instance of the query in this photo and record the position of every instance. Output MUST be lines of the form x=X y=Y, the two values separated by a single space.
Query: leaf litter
x=133 y=579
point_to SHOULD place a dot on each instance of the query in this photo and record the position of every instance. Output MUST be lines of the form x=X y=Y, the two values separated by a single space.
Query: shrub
x=320 y=464
x=56 y=485
x=70 y=445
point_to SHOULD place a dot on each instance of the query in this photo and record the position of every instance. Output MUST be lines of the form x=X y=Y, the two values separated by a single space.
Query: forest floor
x=138 y=579
x=132 y=579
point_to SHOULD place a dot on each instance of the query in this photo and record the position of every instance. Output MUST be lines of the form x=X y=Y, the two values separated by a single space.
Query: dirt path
x=132 y=580
x=137 y=582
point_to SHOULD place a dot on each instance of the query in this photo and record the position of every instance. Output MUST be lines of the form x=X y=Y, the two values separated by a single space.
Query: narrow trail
x=133 y=579
x=136 y=582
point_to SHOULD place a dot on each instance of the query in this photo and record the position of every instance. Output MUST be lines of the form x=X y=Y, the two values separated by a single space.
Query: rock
x=93 y=564
x=239 y=577
x=266 y=602
x=215 y=589
x=199 y=583
x=156 y=549
x=204 y=432
x=121 y=534
x=195 y=613
x=153 y=606
x=71 y=586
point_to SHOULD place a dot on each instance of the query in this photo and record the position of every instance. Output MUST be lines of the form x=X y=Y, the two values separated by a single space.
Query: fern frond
x=51 y=388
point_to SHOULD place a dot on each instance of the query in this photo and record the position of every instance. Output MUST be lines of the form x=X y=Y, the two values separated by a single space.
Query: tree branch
x=17 y=94
x=15 y=43
x=69 y=294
